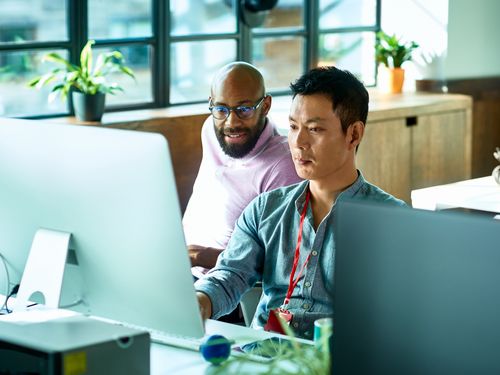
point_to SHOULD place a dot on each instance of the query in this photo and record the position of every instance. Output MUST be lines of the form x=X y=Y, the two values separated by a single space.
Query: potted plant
x=86 y=82
x=392 y=53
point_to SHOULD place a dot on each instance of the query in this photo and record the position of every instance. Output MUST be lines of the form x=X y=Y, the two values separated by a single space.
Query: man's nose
x=232 y=119
x=300 y=138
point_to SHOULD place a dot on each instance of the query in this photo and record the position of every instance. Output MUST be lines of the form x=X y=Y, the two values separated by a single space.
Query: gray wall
x=473 y=39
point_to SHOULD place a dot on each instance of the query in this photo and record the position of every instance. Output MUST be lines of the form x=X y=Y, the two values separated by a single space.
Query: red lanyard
x=293 y=283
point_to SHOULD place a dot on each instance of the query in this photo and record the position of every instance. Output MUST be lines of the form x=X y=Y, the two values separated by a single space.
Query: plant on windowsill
x=391 y=53
x=86 y=82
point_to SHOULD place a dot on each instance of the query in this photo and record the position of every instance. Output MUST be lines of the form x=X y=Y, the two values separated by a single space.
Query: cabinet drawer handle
x=411 y=121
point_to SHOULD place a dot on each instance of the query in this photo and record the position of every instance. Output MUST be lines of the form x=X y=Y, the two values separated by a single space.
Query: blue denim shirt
x=262 y=248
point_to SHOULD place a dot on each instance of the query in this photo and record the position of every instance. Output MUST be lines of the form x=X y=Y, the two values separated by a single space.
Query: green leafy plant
x=296 y=358
x=88 y=78
x=391 y=51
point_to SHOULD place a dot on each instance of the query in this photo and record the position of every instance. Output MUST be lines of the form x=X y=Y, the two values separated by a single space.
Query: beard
x=238 y=151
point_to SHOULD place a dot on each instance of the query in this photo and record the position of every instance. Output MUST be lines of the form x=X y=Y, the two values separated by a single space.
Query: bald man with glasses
x=243 y=156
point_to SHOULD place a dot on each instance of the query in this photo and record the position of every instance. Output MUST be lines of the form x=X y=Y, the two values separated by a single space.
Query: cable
x=14 y=290
x=72 y=304
x=4 y=262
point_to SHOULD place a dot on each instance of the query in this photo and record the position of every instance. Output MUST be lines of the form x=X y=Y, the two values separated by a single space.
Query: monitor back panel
x=115 y=192
x=416 y=292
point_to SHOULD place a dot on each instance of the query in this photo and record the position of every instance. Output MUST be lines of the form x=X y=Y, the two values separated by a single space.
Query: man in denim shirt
x=327 y=123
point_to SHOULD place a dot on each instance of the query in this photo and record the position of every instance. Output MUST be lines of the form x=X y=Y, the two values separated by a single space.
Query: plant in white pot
x=391 y=52
x=86 y=82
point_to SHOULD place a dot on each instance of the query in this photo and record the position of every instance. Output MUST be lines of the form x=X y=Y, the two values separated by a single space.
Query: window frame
x=161 y=40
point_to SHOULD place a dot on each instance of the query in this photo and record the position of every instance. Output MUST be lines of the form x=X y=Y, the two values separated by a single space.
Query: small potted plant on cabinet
x=86 y=82
x=392 y=53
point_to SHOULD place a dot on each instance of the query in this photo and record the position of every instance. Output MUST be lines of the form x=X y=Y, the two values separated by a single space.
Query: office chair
x=249 y=303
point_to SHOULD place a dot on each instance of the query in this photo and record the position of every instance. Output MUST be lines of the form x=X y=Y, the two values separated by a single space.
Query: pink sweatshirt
x=225 y=185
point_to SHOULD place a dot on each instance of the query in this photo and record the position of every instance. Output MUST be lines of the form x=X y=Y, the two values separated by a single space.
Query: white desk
x=481 y=194
x=170 y=360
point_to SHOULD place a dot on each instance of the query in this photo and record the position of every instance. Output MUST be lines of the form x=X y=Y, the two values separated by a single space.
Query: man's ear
x=266 y=105
x=355 y=134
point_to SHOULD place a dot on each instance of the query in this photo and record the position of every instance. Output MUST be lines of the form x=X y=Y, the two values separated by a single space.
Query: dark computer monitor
x=114 y=191
x=416 y=292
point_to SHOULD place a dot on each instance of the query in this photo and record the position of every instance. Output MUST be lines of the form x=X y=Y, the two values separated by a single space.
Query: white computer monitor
x=115 y=192
x=416 y=292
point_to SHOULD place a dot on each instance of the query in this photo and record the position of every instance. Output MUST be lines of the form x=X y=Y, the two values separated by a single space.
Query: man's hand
x=203 y=256
x=205 y=305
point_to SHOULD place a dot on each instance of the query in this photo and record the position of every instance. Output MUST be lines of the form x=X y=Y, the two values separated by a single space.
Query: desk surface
x=477 y=194
x=168 y=359
x=171 y=360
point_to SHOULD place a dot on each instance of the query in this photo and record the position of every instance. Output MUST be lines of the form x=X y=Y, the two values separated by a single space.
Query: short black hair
x=348 y=94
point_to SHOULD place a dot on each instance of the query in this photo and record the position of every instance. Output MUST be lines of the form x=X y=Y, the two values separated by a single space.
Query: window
x=175 y=46
x=347 y=36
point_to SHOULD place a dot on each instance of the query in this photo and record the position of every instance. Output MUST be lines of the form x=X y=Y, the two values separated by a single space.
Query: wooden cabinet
x=485 y=93
x=413 y=141
x=384 y=156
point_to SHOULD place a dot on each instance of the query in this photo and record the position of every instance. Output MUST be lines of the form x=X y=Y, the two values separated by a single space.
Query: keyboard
x=183 y=342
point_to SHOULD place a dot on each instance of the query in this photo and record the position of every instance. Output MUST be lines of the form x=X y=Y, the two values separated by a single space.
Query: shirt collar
x=301 y=199
x=350 y=192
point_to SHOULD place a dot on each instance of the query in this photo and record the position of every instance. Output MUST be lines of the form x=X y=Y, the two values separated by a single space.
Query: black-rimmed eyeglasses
x=244 y=112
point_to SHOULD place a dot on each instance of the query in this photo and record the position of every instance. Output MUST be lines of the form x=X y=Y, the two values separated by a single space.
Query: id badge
x=273 y=323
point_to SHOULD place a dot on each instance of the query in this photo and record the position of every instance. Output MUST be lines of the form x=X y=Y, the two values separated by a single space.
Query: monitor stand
x=44 y=268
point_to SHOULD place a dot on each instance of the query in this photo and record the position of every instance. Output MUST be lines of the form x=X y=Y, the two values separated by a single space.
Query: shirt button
x=307 y=284
x=305 y=306
x=295 y=325
x=314 y=253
